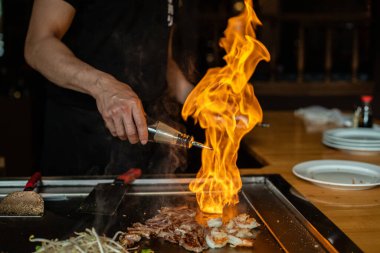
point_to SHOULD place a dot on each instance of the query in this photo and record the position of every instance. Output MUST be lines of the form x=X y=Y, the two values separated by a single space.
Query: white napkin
x=318 y=117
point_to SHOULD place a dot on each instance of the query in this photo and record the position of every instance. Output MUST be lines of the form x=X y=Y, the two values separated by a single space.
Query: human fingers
x=119 y=127
x=109 y=121
x=130 y=128
x=110 y=126
x=141 y=125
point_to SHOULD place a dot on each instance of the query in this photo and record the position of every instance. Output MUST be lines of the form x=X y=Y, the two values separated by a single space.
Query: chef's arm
x=118 y=104
x=179 y=86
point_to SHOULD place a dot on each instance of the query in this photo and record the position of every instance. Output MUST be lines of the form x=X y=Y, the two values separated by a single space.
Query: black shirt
x=125 y=38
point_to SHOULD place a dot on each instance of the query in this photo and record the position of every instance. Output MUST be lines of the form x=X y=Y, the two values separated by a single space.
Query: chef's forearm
x=59 y=65
x=179 y=86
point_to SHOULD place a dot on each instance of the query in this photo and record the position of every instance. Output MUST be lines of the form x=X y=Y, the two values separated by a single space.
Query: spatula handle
x=129 y=176
x=32 y=182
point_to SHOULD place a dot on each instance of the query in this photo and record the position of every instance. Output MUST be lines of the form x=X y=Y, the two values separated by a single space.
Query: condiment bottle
x=356 y=116
x=365 y=117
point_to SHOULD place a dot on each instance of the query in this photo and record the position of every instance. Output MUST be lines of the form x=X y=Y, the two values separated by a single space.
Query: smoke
x=168 y=158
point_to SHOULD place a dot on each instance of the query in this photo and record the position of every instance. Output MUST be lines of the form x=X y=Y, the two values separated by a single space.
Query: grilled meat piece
x=178 y=225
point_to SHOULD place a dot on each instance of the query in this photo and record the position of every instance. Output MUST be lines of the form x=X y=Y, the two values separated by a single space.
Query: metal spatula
x=24 y=203
x=104 y=199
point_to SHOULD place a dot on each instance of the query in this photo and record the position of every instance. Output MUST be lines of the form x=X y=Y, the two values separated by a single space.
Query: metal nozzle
x=200 y=145
x=263 y=125
x=162 y=133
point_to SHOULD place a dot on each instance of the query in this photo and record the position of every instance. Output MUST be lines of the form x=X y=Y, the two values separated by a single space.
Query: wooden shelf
x=287 y=89
x=320 y=17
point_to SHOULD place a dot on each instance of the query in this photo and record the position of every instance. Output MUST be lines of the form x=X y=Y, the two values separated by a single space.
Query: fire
x=224 y=104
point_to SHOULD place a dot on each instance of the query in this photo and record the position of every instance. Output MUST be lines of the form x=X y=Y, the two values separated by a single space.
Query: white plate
x=348 y=143
x=354 y=135
x=339 y=174
x=350 y=146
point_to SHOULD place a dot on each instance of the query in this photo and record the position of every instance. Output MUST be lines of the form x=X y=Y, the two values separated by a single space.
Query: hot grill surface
x=283 y=227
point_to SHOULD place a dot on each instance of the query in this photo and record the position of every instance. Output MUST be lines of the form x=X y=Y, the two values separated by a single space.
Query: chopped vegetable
x=147 y=251
x=84 y=242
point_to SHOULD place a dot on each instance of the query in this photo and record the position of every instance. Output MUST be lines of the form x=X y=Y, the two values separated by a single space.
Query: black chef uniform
x=127 y=39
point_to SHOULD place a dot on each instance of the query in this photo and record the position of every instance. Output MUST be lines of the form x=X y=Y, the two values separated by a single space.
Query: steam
x=168 y=159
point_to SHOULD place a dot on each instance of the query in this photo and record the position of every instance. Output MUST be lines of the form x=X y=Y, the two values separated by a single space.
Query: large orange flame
x=225 y=106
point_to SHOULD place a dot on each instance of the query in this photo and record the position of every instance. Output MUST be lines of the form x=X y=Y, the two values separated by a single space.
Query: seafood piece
x=244 y=221
x=231 y=227
x=242 y=242
x=216 y=238
x=215 y=223
x=244 y=233
x=127 y=240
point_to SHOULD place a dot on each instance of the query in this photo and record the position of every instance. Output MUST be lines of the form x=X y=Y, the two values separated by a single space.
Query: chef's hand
x=122 y=111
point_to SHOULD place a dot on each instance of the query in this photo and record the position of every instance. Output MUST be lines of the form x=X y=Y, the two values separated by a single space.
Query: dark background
x=200 y=26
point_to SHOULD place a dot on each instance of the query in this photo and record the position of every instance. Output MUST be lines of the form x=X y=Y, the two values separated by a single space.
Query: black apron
x=129 y=40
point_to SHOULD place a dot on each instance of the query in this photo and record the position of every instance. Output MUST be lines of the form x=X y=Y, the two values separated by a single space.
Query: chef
x=108 y=64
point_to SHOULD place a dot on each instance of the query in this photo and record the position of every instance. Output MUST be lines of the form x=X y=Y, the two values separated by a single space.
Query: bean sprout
x=84 y=242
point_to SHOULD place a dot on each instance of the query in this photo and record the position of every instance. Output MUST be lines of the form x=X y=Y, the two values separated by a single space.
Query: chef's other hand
x=121 y=110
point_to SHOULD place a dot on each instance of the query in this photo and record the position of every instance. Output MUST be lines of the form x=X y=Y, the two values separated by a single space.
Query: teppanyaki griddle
x=289 y=223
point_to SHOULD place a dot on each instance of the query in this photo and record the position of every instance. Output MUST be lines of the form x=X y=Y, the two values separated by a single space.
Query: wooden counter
x=287 y=143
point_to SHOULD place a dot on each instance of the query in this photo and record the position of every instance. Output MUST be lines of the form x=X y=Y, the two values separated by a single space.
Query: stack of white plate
x=359 y=139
